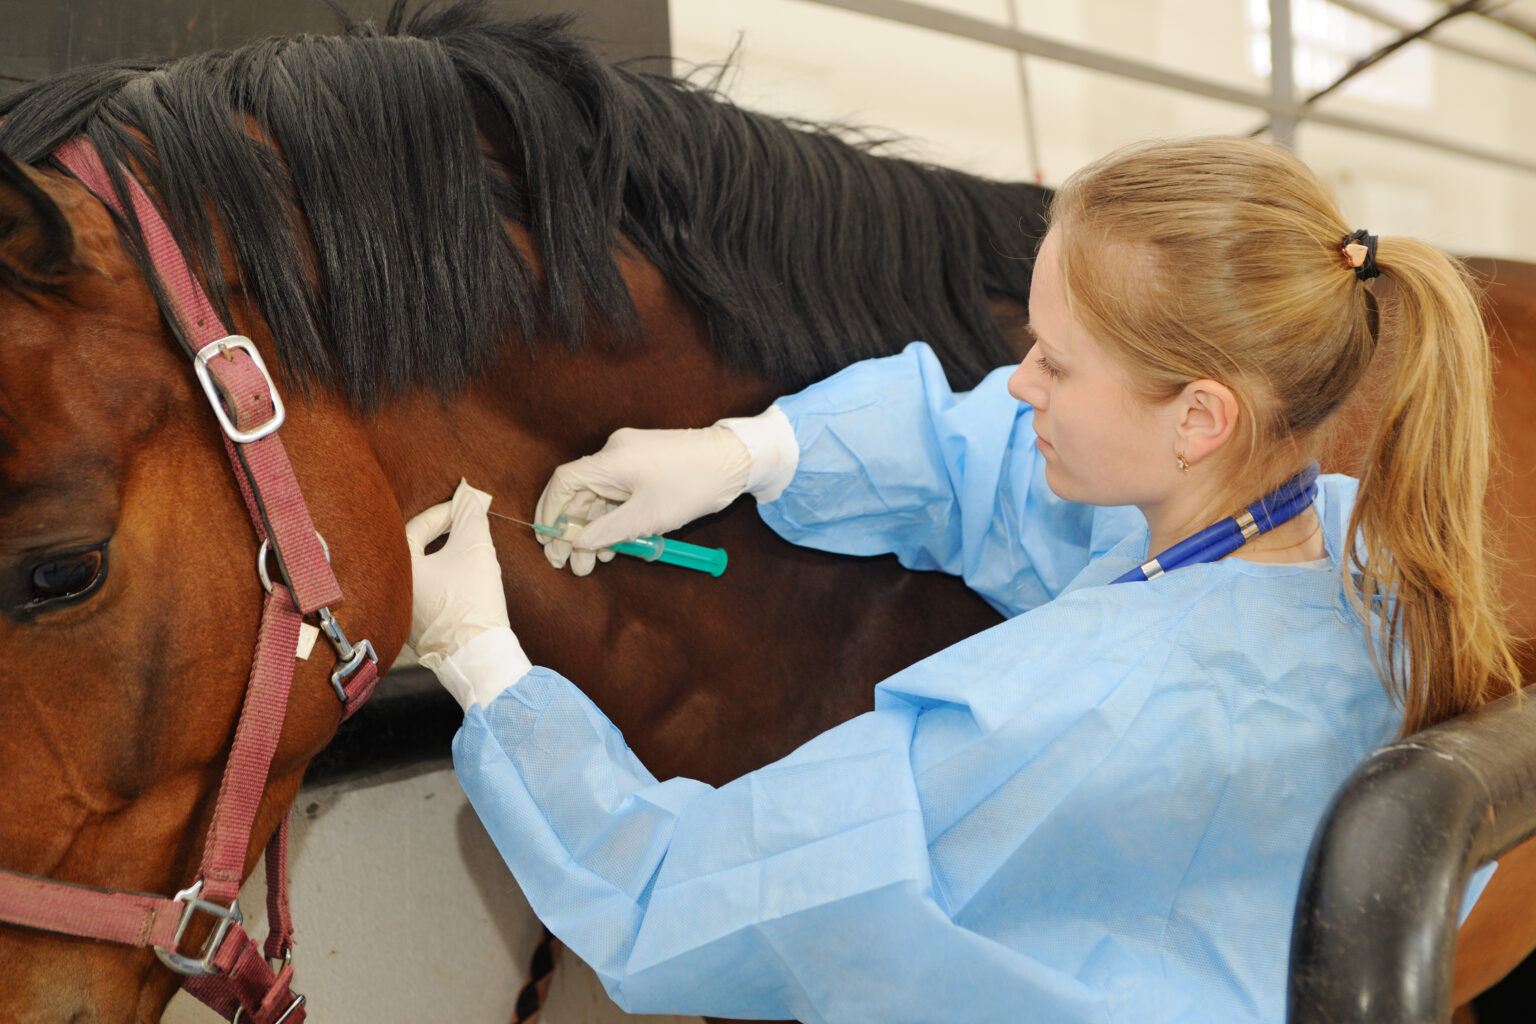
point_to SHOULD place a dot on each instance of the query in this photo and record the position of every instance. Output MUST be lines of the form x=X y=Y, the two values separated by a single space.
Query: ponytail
x=1427 y=568
x=1242 y=275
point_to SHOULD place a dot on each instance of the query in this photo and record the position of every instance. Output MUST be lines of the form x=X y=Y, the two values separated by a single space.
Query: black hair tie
x=1360 y=250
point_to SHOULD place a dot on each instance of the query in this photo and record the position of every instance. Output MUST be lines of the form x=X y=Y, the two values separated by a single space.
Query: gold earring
x=1183 y=462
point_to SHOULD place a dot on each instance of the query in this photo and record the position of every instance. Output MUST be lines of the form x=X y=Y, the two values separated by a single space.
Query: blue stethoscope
x=1221 y=539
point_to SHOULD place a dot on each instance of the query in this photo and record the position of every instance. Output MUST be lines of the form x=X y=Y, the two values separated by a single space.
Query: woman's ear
x=1208 y=414
x=36 y=241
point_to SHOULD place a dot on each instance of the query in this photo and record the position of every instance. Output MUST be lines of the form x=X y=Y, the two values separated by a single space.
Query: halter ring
x=261 y=560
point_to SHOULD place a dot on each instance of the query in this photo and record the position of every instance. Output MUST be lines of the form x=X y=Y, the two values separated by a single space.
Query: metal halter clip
x=350 y=657
x=298 y=1001
x=200 y=367
x=228 y=917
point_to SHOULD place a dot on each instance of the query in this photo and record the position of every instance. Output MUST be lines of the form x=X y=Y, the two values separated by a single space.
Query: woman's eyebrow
x=1042 y=342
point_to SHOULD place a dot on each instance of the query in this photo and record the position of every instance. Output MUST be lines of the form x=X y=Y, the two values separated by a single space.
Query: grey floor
x=405 y=913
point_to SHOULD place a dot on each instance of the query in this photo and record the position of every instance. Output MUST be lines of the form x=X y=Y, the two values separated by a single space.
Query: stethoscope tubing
x=1234 y=538
x=1220 y=539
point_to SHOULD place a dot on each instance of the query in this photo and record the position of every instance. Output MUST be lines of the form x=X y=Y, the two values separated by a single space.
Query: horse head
x=479 y=250
x=129 y=596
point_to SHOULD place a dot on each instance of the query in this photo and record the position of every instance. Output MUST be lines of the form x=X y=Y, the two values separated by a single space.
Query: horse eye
x=68 y=577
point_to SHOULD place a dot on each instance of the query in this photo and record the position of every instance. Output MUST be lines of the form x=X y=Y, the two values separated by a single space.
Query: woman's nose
x=1025 y=384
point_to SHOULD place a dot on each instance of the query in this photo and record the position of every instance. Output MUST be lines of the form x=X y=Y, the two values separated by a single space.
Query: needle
x=548 y=531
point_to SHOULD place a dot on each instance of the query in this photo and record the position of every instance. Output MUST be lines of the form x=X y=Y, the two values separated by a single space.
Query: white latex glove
x=648 y=482
x=456 y=591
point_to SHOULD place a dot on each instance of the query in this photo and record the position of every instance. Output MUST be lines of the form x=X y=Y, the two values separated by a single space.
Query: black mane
x=803 y=252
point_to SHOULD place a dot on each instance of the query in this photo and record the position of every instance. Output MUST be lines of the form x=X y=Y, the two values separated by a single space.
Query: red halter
x=230 y=974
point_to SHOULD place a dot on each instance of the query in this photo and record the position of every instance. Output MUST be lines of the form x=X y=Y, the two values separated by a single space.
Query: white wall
x=960 y=101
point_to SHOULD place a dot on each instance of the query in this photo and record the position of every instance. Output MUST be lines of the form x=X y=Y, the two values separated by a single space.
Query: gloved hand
x=456 y=591
x=664 y=479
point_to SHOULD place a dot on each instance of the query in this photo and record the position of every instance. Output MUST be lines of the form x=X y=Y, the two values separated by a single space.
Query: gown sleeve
x=893 y=462
x=800 y=890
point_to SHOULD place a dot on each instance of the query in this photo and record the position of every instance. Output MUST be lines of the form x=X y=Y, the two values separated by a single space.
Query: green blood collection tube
x=648 y=549
x=654 y=549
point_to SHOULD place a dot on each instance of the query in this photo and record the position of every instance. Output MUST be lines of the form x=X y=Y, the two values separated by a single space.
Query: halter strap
x=239 y=378
x=231 y=975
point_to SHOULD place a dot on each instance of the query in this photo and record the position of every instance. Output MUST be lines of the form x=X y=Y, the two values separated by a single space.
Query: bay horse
x=469 y=248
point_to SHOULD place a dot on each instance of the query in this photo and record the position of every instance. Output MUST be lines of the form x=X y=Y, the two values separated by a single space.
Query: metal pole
x=1282 y=81
x=962 y=26
x=1031 y=143
x=1370 y=13
x=994 y=33
x=1509 y=21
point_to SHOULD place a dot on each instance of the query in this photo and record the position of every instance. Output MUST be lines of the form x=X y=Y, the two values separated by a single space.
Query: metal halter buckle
x=298 y=1001
x=200 y=367
x=228 y=917
x=350 y=656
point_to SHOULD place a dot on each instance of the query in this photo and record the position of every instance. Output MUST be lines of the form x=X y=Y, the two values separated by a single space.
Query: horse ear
x=36 y=240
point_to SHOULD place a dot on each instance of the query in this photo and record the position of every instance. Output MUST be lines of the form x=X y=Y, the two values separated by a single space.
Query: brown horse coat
x=117 y=711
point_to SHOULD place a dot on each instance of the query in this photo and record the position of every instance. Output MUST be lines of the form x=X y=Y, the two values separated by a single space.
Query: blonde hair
x=1222 y=258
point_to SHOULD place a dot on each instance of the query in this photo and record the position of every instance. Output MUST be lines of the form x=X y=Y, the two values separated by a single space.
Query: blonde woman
x=1099 y=809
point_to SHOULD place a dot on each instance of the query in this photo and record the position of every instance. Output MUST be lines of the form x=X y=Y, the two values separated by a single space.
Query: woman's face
x=1102 y=444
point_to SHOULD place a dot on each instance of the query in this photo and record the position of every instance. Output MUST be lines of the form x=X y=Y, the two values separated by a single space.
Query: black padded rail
x=1376 y=919
x=406 y=728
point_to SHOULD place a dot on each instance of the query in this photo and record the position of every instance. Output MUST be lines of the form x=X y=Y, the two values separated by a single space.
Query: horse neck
x=540 y=405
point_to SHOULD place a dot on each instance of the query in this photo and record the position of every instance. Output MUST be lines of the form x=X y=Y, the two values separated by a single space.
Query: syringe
x=650 y=549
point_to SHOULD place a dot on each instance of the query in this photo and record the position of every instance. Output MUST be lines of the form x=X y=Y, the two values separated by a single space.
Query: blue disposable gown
x=1097 y=810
